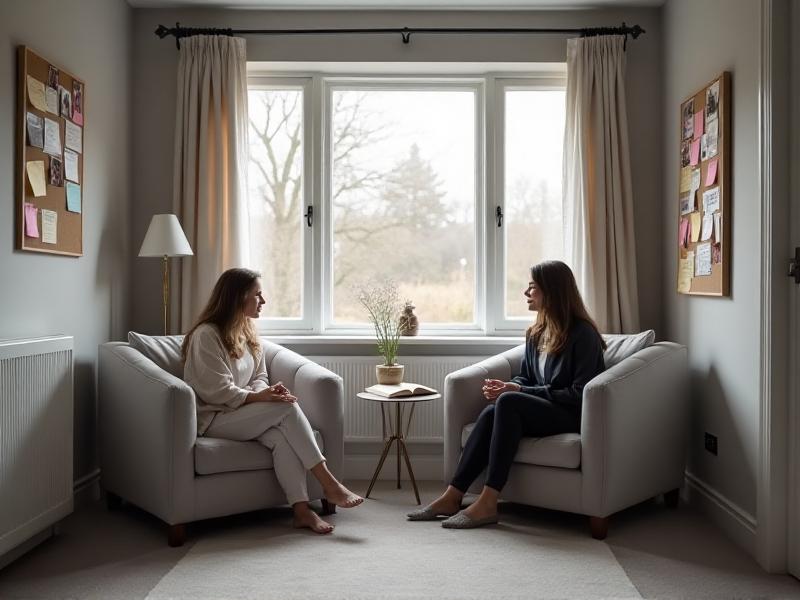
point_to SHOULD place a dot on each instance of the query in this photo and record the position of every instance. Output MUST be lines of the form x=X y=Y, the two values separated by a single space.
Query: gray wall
x=155 y=65
x=724 y=366
x=84 y=297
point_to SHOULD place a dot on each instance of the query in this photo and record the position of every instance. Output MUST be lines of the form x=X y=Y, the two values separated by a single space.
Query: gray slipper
x=462 y=521
x=425 y=514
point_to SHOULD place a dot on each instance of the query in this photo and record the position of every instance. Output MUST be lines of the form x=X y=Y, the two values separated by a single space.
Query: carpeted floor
x=651 y=552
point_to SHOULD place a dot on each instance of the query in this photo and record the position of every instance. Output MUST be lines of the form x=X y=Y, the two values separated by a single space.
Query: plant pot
x=389 y=374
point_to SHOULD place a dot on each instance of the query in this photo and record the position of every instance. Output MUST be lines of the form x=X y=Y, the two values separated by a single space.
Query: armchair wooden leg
x=599 y=527
x=176 y=535
x=671 y=498
x=328 y=508
x=113 y=501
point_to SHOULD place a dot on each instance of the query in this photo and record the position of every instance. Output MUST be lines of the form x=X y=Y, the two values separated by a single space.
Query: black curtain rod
x=182 y=32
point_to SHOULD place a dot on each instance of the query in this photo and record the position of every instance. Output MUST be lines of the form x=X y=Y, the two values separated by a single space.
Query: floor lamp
x=165 y=238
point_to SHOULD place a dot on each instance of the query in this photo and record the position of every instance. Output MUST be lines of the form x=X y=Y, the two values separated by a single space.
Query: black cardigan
x=565 y=374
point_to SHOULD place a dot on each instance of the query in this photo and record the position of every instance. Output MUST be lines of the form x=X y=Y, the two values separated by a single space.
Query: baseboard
x=86 y=489
x=362 y=467
x=734 y=521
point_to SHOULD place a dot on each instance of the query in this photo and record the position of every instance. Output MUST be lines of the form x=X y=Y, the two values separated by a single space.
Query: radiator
x=362 y=419
x=35 y=436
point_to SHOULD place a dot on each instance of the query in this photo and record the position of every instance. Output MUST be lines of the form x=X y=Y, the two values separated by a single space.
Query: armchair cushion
x=621 y=346
x=216 y=455
x=561 y=450
x=164 y=350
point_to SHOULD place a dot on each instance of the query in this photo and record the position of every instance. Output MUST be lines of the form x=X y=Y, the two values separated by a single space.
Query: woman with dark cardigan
x=564 y=351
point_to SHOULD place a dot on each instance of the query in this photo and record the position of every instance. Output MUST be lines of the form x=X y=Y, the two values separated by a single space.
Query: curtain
x=598 y=196
x=210 y=171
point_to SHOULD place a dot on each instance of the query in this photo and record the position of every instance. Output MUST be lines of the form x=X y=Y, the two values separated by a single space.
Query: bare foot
x=341 y=496
x=308 y=519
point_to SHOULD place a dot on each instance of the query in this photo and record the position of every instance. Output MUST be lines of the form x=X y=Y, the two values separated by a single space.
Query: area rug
x=375 y=554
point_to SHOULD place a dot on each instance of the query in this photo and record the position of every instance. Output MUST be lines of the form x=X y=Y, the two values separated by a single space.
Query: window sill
x=423 y=345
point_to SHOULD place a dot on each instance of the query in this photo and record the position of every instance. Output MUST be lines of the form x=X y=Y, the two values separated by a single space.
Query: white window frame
x=305 y=323
x=489 y=86
x=499 y=323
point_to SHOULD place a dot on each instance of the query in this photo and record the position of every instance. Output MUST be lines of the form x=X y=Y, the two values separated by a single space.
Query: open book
x=400 y=390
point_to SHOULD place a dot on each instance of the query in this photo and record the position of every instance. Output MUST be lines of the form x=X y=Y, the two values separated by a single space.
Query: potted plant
x=383 y=303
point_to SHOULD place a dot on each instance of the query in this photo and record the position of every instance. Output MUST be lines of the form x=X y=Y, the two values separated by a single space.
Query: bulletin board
x=51 y=104
x=704 y=198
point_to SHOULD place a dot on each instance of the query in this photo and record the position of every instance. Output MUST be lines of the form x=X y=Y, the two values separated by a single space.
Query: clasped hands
x=492 y=388
x=274 y=393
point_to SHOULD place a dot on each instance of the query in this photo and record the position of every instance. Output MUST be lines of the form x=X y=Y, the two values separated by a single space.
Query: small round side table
x=397 y=436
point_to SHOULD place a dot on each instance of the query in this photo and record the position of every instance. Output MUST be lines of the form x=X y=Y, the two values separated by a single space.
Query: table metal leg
x=384 y=454
x=410 y=471
x=398 y=433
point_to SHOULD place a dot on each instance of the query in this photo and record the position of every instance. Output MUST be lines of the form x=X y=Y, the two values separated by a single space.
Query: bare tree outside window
x=534 y=130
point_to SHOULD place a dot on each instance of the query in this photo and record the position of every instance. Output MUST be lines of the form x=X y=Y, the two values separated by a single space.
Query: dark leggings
x=498 y=431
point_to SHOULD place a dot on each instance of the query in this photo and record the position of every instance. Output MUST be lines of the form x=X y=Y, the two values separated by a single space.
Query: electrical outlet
x=711 y=443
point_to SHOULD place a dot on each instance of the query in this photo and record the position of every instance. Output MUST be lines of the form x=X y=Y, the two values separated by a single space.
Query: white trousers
x=283 y=429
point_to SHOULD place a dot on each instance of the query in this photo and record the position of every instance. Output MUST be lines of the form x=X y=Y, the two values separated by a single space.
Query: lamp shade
x=165 y=237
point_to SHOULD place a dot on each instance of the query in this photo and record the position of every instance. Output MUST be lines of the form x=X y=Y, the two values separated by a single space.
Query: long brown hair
x=562 y=306
x=225 y=310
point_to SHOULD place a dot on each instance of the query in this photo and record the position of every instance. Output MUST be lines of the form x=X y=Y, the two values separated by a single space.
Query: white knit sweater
x=220 y=382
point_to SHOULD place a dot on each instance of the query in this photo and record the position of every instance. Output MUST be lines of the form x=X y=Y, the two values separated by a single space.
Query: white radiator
x=362 y=419
x=35 y=436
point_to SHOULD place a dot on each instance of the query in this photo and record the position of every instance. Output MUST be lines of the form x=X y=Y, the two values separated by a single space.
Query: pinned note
x=708 y=226
x=51 y=97
x=52 y=137
x=49 y=226
x=698 y=124
x=31 y=225
x=711 y=200
x=71 y=166
x=718 y=227
x=35 y=169
x=685 y=273
x=73 y=197
x=73 y=137
x=686 y=179
x=712 y=138
x=695 y=226
x=35 y=127
x=683 y=232
x=687 y=204
x=711 y=173
x=36 y=94
x=694 y=153
x=702 y=264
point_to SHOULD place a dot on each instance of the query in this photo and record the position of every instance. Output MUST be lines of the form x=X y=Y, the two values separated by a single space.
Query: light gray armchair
x=152 y=457
x=632 y=441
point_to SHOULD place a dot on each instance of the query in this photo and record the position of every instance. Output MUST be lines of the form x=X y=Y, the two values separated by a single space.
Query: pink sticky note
x=698 y=124
x=711 y=174
x=31 y=225
x=683 y=232
x=694 y=155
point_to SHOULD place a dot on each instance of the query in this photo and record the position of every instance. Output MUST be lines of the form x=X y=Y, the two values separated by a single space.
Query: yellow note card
x=696 y=225
x=685 y=273
x=686 y=179
x=36 y=93
x=35 y=170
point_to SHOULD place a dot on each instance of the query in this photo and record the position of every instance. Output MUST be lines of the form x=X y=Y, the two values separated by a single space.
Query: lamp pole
x=165 y=291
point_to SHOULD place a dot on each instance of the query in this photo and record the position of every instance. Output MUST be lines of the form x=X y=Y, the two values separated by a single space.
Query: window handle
x=498 y=215
x=309 y=215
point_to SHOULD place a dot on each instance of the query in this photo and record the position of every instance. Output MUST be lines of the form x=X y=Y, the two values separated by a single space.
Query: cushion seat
x=561 y=450
x=217 y=455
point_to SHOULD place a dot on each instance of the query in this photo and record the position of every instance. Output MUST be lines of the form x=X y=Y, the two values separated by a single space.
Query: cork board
x=49 y=171
x=704 y=199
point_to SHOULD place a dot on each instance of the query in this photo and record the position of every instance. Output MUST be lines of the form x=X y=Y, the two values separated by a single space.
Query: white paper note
x=73 y=137
x=717 y=227
x=71 y=166
x=49 y=226
x=52 y=137
x=711 y=200
x=702 y=260
x=708 y=226
x=51 y=96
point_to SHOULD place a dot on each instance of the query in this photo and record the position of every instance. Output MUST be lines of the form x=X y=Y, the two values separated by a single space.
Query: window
x=360 y=178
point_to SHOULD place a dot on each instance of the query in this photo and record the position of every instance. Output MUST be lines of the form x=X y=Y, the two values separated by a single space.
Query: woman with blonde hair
x=564 y=351
x=224 y=364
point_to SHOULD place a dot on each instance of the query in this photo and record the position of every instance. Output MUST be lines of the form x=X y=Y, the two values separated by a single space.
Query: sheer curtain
x=598 y=197
x=210 y=172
